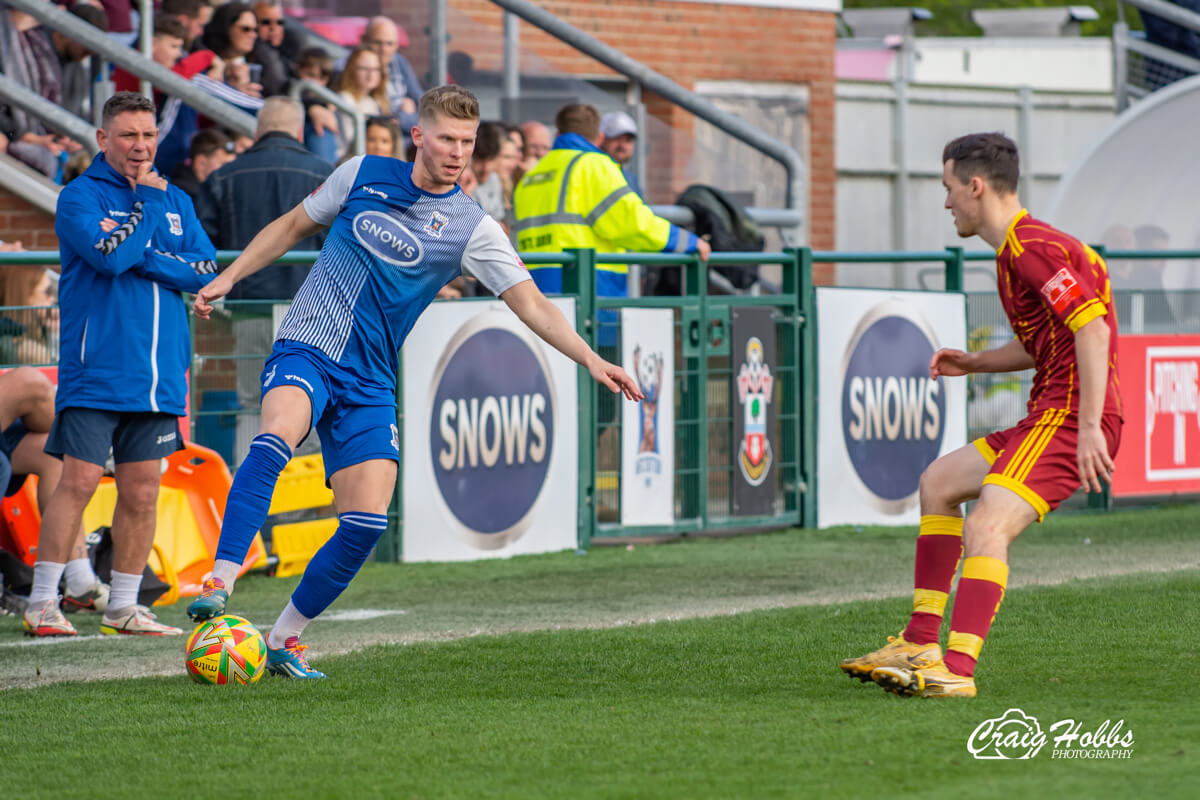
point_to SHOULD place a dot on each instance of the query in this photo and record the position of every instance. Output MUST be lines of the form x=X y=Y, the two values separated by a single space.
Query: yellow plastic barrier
x=295 y=543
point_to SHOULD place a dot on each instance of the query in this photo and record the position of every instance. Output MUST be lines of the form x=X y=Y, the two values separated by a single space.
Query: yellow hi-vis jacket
x=577 y=196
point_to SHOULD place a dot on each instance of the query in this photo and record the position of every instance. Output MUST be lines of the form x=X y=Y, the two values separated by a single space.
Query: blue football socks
x=250 y=496
x=338 y=561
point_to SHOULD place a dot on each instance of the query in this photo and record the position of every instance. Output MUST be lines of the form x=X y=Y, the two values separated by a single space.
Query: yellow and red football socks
x=939 y=548
x=980 y=591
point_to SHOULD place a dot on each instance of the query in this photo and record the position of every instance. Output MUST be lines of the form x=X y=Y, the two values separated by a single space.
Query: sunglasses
x=246 y=28
x=266 y=22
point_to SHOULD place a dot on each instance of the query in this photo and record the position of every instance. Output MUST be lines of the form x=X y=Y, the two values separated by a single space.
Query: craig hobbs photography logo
x=1016 y=735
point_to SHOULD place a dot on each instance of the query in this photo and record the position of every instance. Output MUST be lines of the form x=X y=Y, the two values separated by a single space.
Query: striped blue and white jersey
x=391 y=246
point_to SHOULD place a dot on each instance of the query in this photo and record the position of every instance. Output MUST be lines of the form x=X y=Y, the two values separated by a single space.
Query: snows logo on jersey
x=386 y=237
x=1061 y=290
x=893 y=413
x=491 y=428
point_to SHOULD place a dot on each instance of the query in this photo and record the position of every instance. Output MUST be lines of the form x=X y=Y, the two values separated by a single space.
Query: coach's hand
x=613 y=377
x=215 y=290
x=1094 y=461
x=148 y=177
x=949 y=363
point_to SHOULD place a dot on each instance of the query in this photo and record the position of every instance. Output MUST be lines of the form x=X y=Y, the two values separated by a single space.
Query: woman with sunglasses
x=233 y=35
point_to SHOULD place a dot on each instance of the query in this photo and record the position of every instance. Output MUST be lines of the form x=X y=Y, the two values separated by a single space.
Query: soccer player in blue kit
x=398 y=232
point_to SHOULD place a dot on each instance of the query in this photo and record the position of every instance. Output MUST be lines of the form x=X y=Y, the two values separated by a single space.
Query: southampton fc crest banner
x=753 y=406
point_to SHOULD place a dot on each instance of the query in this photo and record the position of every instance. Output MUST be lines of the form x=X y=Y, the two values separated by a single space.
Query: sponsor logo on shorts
x=1061 y=290
x=270 y=376
x=491 y=429
x=386 y=237
x=893 y=414
x=166 y=437
x=1017 y=736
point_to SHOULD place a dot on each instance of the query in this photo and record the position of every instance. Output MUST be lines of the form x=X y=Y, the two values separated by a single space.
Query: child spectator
x=320 y=126
x=383 y=138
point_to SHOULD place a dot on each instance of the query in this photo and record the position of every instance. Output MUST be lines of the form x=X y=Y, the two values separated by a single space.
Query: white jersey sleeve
x=323 y=205
x=490 y=258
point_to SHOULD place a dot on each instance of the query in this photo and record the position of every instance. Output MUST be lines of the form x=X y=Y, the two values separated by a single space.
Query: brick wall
x=686 y=42
x=22 y=222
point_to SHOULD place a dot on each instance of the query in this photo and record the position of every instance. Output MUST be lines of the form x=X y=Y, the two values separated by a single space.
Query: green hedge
x=953 y=17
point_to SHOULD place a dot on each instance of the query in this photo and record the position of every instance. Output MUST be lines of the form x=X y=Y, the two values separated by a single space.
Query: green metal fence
x=225 y=347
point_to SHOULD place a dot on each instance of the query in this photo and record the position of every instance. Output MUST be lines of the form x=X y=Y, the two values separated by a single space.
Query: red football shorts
x=1038 y=459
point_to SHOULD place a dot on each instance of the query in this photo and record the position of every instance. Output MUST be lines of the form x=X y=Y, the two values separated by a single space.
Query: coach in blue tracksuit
x=130 y=244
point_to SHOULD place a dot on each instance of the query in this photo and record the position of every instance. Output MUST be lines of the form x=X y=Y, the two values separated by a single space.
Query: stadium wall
x=20 y=221
x=690 y=43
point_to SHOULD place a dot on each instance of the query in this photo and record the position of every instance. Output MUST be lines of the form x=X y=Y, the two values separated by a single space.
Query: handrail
x=95 y=40
x=29 y=184
x=768 y=217
x=54 y=116
x=329 y=96
x=1170 y=12
x=792 y=163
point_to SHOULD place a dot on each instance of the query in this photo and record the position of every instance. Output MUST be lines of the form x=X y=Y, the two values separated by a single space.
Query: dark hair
x=209 y=141
x=318 y=57
x=216 y=32
x=169 y=26
x=450 y=101
x=122 y=102
x=488 y=141
x=183 y=8
x=96 y=17
x=579 y=118
x=991 y=156
x=1149 y=237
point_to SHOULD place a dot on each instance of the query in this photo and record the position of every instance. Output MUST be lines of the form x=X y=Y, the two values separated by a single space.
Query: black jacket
x=252 y=191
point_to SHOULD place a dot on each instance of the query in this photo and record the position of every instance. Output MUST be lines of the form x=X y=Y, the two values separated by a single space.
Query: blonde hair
x=346 y=82
x=17 y=283
x=448 y=101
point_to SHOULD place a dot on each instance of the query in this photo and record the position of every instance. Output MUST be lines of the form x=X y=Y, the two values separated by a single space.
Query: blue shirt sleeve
x=193 y=266
x=77 y=221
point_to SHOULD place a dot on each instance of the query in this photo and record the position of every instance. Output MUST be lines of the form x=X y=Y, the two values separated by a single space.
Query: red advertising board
x=1160 y=388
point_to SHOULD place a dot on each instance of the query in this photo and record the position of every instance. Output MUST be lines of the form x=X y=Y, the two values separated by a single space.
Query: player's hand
x=108 y=225
x=615 y=379
x=217 y=288
x=703 y=249
x=949 y=363
x=148 y=177
x=1094 y=461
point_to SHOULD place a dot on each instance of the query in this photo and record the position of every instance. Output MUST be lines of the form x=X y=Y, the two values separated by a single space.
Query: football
x=225 y=650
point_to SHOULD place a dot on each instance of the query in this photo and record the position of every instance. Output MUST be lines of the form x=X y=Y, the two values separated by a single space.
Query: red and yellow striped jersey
x=1051 y=285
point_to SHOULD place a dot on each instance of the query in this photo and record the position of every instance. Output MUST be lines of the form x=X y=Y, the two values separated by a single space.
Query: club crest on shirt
x=436 y=223
x=176 y=222
x=1061 y=290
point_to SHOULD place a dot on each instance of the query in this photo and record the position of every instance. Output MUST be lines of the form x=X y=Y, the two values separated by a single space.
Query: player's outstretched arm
x=949 y=362
x=544 y=319
x=264 y=249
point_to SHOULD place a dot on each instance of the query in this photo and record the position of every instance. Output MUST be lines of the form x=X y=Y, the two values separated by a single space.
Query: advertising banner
x=881 y=420
x=755 y=445
x=648 y=427
x=1160 y=392
x=490 y=436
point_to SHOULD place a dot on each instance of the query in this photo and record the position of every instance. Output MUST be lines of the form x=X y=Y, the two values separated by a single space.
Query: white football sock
x=46 y=575
x=79 y=575
x=226 y=572
x=290 y=623
x=124 y=590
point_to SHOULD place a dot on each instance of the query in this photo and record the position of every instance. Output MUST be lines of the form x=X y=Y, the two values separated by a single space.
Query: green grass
x=743 y=705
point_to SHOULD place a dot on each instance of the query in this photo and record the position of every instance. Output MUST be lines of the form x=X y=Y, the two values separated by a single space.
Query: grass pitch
x=525 y=678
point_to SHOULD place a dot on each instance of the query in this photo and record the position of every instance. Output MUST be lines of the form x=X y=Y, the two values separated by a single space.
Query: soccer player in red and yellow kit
x=1056 y=293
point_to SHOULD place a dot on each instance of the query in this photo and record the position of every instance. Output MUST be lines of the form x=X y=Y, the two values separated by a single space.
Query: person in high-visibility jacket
x=577 y=196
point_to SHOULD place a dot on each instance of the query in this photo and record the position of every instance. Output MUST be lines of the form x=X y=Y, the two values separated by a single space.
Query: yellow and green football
x=225 y=650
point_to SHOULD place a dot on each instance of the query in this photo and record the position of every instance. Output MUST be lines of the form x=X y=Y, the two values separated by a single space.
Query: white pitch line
x=40 y=640
x=356 y=614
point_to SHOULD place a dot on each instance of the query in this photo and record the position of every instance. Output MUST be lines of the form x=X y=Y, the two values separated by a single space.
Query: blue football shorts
x=351 y=431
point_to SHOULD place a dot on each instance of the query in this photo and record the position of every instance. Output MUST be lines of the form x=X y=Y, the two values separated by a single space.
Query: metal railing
x=1140 y=67
x=59 y=19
